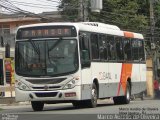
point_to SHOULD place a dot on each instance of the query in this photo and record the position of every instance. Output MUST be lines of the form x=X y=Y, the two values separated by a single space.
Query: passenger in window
x=113 y=51
x=118 y=50
x=101 y=51
x=105 y=53
x=95 y=54
x=109 y=50
x=127 y=49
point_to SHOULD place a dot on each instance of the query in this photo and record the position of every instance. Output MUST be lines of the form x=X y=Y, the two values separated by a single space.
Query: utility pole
x=83 y=10
x=152 y=22
x=96 y=6
x=153 y=44
x=80 y=11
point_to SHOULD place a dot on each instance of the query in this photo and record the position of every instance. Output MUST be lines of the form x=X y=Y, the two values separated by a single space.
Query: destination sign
x=46 y=32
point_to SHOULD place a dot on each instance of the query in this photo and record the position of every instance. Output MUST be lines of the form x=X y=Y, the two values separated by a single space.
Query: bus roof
x=100 y=28
x=92 y=27
x=102 y=25
x=128 y=34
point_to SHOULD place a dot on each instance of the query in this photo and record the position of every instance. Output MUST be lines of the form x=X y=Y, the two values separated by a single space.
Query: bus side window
x=141 y=50
x=135 y=48
x=102 y=47
x=119 y=48
x=127 y=49
x=111 y=48
x=94 y=46
x=138 y=50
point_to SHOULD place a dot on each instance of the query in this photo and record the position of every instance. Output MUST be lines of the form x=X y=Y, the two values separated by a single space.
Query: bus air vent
x=50 y=94
x=46 y=81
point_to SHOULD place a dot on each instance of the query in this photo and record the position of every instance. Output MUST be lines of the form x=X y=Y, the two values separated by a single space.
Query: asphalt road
x=137 y=109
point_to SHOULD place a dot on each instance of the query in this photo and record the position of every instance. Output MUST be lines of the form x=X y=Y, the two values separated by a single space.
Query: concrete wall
x=149 y=76
x=149 y=83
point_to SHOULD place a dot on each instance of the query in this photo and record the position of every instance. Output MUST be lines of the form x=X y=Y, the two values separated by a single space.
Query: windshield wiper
x=35 y=47
x=55 y=44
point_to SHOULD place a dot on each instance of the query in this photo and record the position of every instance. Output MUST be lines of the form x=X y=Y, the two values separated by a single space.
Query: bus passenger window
x=141 y=51
x=111 y=48
x=119 y=48
x=135 y=48
x=94 y=46
x=138 y=50
x=102 y=48
x=127 y=49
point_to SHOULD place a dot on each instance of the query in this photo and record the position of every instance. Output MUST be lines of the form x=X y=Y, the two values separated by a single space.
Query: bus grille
x=46 y=81
x=51 y=94
x=51 y=87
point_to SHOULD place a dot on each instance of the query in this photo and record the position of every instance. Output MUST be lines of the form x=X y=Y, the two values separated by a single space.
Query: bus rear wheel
x=124 y=99
x=37 y=105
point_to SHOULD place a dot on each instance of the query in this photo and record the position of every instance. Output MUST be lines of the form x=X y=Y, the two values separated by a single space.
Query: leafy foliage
x=127 y=14
x=124 y=13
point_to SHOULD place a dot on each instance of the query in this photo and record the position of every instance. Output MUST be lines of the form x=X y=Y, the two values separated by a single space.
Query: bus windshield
x=49 y=57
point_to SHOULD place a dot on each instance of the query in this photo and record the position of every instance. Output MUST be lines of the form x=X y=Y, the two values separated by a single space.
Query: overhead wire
x=8 y=5
x=37 y=4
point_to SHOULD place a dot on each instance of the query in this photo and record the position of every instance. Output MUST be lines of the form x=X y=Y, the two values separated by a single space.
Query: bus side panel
x=115 y=78
x=100 y=72
x=137 y=84
x=142 y=77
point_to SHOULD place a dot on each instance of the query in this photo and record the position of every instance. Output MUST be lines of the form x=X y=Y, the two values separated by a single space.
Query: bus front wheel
x=37 y=105
x=93 y=101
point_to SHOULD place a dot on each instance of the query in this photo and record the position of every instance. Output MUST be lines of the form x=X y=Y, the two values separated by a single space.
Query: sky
x=36 y=6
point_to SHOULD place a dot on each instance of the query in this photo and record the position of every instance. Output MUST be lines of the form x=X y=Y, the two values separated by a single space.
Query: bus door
x=85 y=66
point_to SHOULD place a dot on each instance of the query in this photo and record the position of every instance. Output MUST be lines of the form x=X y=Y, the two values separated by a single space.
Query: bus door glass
x=85 y=64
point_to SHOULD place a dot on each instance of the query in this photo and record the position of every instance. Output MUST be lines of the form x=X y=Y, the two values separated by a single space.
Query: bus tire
x=37 y=105
x=127 y=96
x=124 y=99
x=94 y=95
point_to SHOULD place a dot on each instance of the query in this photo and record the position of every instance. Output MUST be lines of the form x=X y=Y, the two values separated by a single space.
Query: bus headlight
x=70 y=84
x=21 y=85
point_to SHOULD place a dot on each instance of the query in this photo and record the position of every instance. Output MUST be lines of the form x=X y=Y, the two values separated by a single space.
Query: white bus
x=78 y=63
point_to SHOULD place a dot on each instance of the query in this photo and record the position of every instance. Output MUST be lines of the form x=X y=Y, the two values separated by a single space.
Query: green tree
x=126 y=14
x=157 y=14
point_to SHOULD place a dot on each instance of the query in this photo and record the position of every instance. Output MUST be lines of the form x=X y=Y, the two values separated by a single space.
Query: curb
x=8 y=101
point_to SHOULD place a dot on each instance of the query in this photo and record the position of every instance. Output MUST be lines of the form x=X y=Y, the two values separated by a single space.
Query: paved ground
x=23 y=111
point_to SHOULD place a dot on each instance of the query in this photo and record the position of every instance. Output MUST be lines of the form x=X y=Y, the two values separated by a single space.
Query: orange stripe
x=125 y=74
x=128 y=34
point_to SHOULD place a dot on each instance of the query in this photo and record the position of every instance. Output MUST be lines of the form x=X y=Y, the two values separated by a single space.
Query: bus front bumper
x=57 y=95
